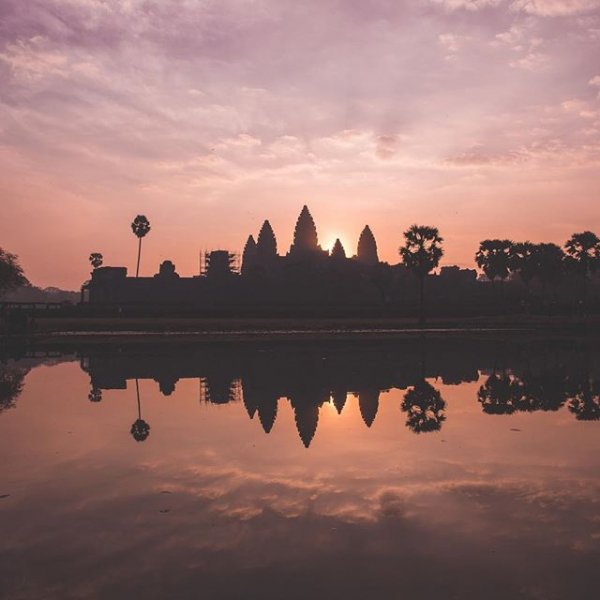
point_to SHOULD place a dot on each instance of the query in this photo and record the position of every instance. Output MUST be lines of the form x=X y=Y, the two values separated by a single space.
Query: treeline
x=546 y=262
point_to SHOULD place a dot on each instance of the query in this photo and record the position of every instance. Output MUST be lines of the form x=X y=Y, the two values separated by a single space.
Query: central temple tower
x=305 y=241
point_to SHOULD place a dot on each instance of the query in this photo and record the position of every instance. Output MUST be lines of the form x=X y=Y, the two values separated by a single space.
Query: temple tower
x=266 y=249
x=266 y=245
x=305 y=235
x=249 y=256
x=367 y=248
x=338 y=252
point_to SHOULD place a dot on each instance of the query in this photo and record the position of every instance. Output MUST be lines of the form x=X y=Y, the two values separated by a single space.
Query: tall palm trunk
x=421 y=300
x=137 y=391
x=137 y=270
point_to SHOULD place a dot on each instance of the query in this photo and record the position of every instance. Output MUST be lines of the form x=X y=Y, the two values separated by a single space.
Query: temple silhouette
x=306 y=275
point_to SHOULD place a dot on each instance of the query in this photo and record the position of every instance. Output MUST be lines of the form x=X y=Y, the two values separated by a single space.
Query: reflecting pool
x=410 y=468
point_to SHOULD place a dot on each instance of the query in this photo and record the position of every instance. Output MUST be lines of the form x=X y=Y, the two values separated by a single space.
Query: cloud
x=469 y=5
x=555 y=8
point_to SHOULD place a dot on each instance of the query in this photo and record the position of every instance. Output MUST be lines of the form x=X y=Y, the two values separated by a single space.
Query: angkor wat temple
x=306 y=275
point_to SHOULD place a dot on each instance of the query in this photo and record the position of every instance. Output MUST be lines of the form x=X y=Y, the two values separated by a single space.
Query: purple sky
x=480 y=117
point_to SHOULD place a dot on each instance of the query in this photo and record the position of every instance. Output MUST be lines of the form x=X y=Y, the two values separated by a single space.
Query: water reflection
x=11 y=385
x=437 y=468
x=533 y=376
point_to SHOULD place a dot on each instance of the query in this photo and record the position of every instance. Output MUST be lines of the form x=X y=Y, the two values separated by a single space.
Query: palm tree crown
x=140 y=226
x=422 y=251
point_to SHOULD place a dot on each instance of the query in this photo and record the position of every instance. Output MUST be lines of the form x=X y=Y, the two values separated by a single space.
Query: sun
x=329 y=241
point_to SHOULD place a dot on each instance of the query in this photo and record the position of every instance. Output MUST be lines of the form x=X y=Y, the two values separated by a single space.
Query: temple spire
x=249 y=256
x=367 y=248
x=266 y=244
x=307 y=419
x=305 y=234
x=338 y=251
x=368 y=403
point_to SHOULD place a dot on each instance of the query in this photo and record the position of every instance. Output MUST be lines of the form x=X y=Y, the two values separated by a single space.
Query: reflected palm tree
x=585 y=402
x=140 y=430
x=95 y=395
x=11 y=385
x=543 y=391
x=496 y=395
x=425 y=408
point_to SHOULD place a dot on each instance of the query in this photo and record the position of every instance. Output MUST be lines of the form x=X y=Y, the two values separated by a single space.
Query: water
x=440 y=468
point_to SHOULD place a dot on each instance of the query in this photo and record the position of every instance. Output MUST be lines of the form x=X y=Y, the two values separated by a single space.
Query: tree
x=11 y=272
x=549 y=262
x=522 y=260
x=494 y=258
x=96 y=259
x=425 y=408
x=140 y=228
x=585 y=402
x=583 y=255
x=11 y=385
x=421 y=254
x=496 y=395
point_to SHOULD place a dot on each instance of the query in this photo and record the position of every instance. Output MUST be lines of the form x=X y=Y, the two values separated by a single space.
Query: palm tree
x=11 y=272
x=549 y=264
x=421 y=254
x=496 y=395
x=425 y=408
x=522 y=258
x=96 y=259
x=585 y=402
x=583 y=255
x=494 y=258
x=140 y=227
x=140 y=430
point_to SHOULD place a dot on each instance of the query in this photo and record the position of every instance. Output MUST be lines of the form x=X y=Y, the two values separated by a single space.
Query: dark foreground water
x=443 y=468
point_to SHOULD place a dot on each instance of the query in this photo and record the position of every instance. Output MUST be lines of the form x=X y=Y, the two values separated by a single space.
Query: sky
x=479 y=117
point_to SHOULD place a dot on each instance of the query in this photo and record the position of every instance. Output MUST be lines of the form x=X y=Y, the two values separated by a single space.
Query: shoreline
x=59 y=332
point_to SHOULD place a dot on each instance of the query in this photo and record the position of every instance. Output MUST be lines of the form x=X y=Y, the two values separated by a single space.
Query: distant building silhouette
x=219 y=264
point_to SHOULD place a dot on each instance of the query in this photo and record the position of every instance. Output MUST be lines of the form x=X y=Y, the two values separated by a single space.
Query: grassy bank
x=78 y=326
